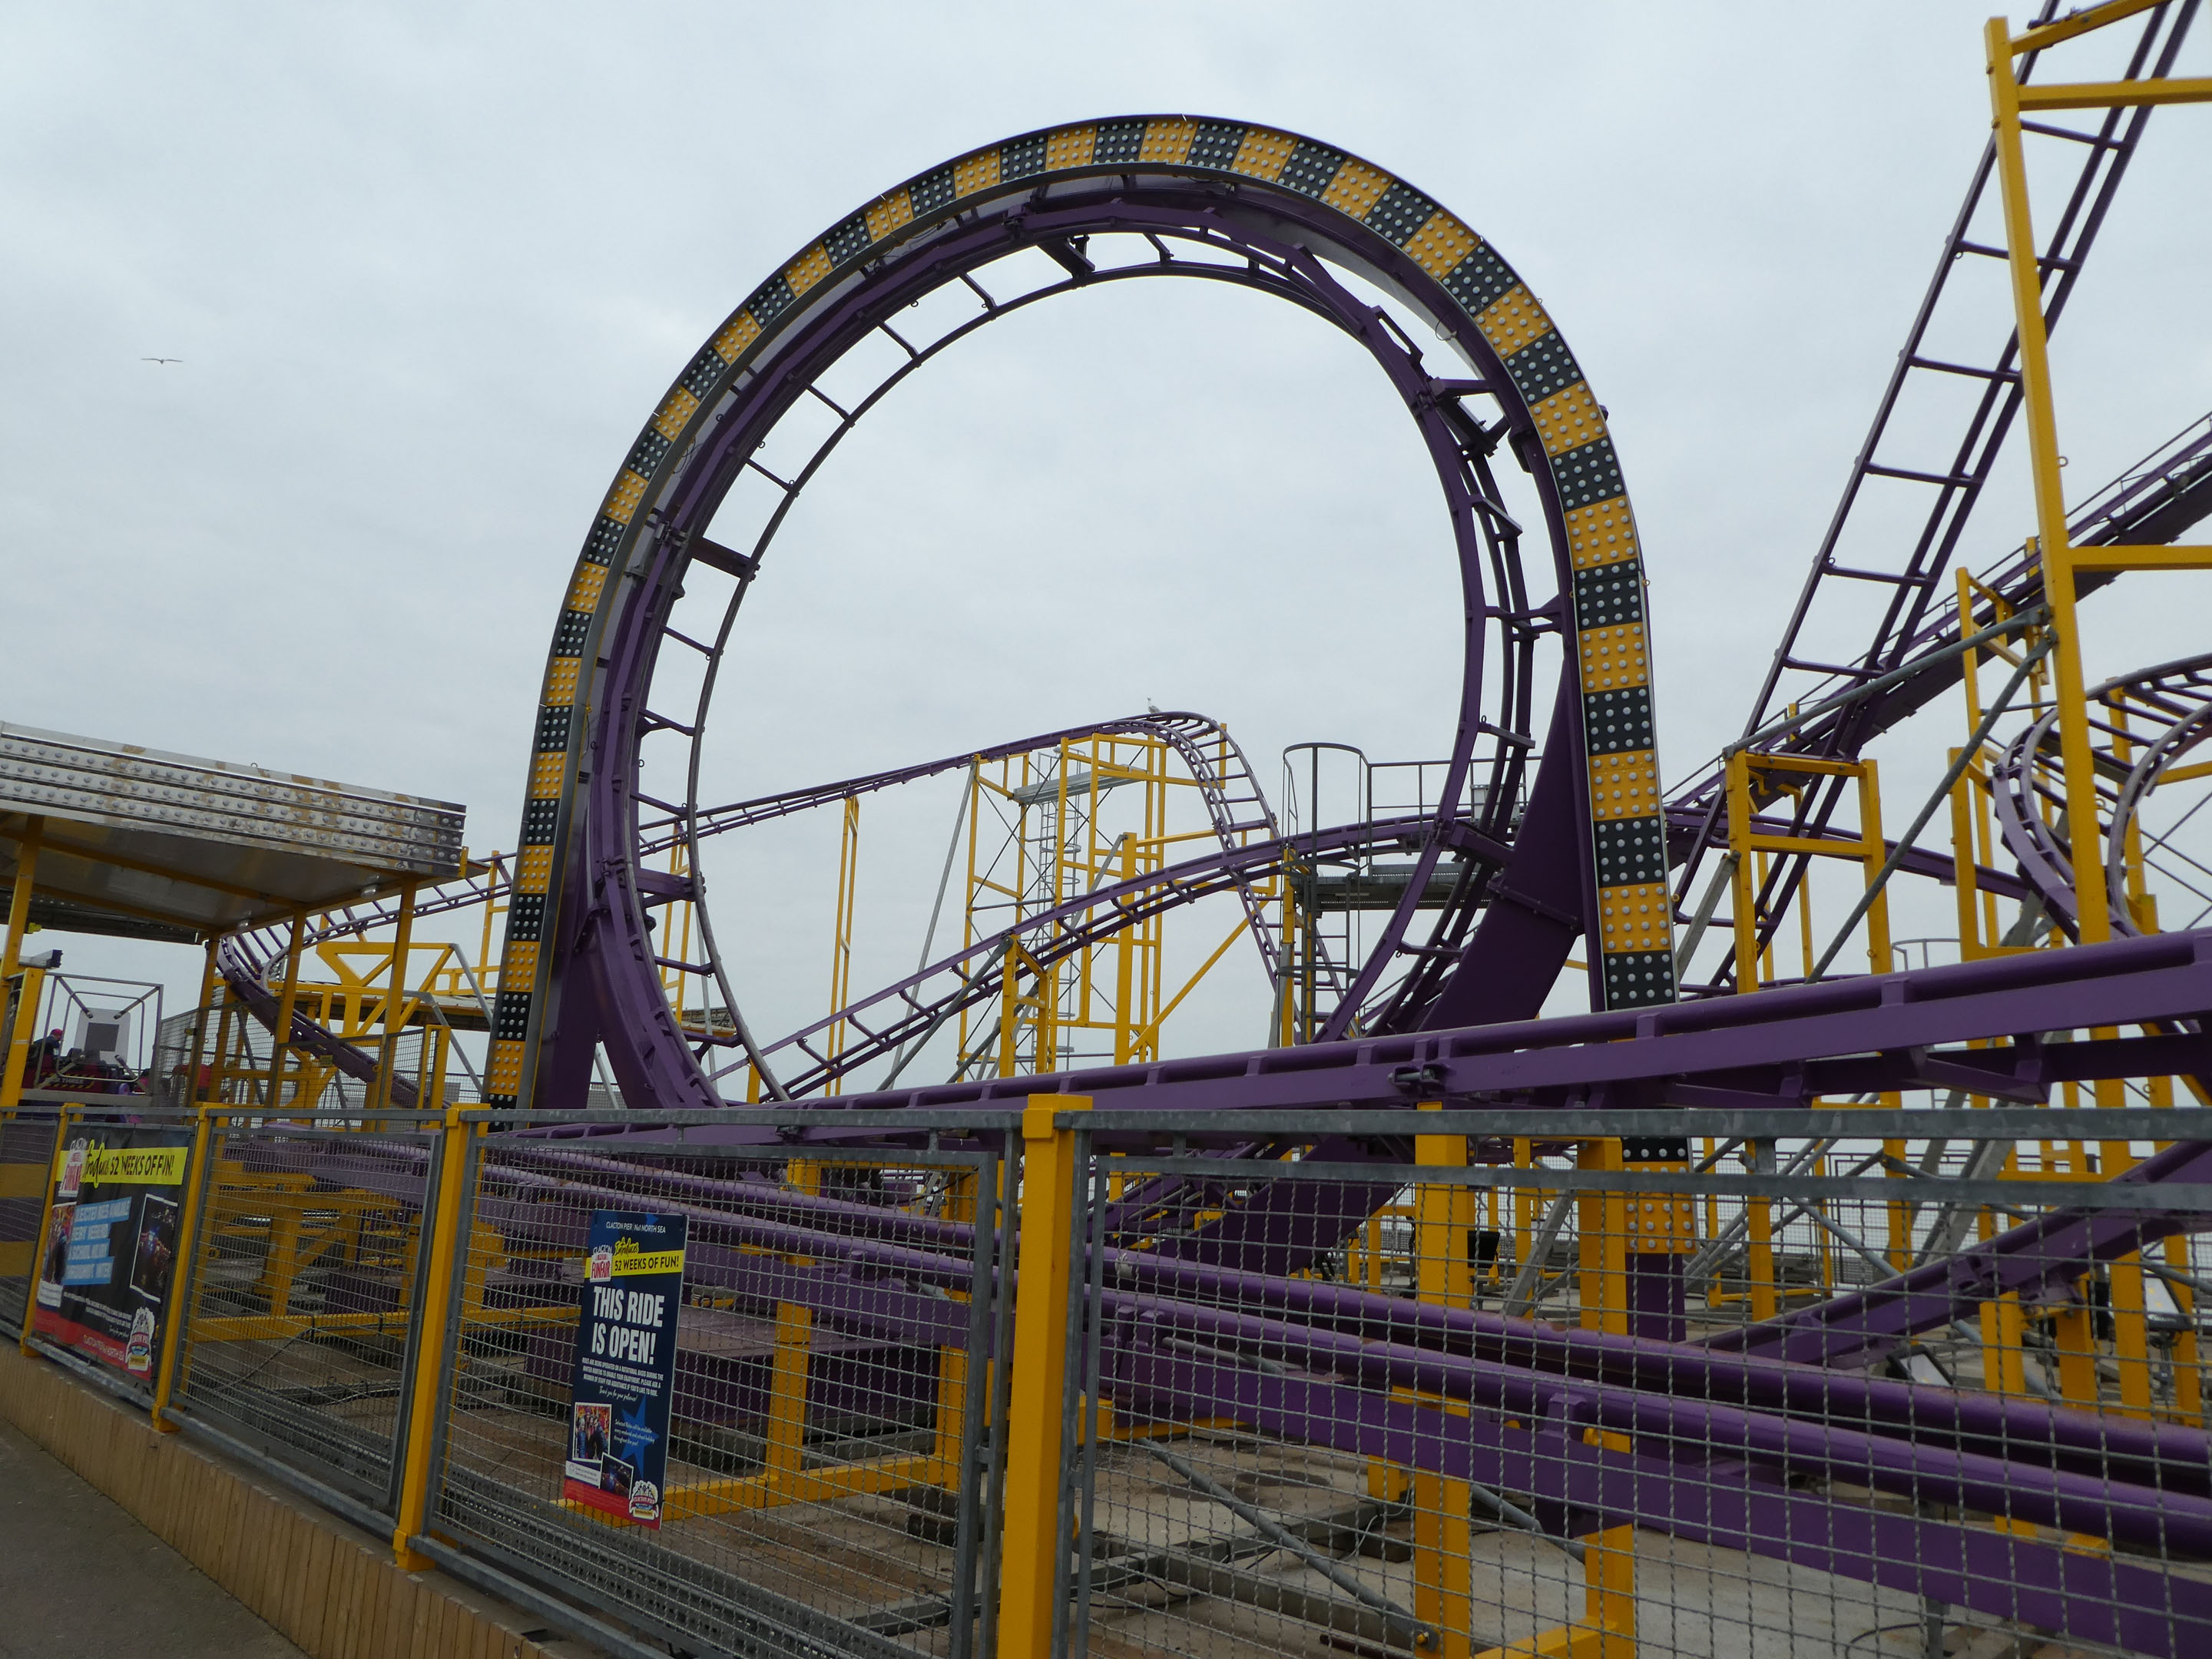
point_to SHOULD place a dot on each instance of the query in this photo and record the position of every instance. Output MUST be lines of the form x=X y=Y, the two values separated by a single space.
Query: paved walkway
x=80 y=1576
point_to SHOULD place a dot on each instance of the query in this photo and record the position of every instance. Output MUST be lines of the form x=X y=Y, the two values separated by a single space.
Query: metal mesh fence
x=303 y=1317
x=832 y=1442
x=1838 y=1382
x=27 y=1157
x=1443 y=1394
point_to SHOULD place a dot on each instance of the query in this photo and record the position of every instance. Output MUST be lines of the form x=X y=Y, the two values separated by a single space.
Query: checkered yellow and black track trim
x=1614 y=656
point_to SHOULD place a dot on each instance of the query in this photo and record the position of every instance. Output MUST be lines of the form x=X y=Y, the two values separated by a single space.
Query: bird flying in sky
x=161 y=360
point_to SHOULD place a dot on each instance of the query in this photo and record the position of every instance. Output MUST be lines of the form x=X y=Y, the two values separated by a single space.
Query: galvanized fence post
x=1091 y=1219
x=43 y=1242
x=1000 y=1381
x=970 y=1478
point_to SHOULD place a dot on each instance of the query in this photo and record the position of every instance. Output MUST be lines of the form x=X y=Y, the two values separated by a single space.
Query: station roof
x=147 y=845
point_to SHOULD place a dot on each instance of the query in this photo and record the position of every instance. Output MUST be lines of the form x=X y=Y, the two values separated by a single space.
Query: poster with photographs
x=109 y=1258
x=624 y=1380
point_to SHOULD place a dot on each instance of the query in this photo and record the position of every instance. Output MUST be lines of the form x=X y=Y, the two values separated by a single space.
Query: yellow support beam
x=779 y=1486
x=19 y=898
x=2080 y=23
x=2117 y=94
x=2025 y=270
x=2181 y=556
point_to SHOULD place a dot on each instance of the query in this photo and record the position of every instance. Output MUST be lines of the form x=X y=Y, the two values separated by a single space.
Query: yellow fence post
x=1032 y=1548
x=188 y=1229
x=287 y=999
x=444 y=1206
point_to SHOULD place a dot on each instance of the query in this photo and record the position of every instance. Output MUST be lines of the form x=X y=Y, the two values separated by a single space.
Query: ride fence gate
x=1845 y=1381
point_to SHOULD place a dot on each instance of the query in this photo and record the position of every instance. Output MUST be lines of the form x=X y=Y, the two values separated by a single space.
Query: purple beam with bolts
x=1779 y=1048
x=1704 y=1050
x=1776 y=1049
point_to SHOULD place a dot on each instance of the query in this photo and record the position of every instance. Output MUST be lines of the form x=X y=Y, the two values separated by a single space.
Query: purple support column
x=1656 y=1309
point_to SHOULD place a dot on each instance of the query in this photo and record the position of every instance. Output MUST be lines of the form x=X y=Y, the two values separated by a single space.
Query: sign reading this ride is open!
x=105 y=1264
x=625 y=1373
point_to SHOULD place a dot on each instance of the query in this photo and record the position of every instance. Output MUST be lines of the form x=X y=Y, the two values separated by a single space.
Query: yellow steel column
x=2074 y=1333
x=1743 y=896
x=1963 y=877
x=1873 y=852
x=1607 y=1629
x=1602 y=1218
x=22 y=1031
x=287 y=1000
x=19 y=901
x=219 y=1066
x=950 y=1426
x=16 y=1052
x=2188 y=1376
x=841 y=943
x=2124 y=1280
x=1125 y=1014
x=2056 y=553
x=1442 y=1591
x=395 y=1003
x=1386 y=1481
x=444 y=1207
x=1609 y=1554
x=210 y=976
x=1034 y=1547
x=793 y=1363
x=1760 y=1276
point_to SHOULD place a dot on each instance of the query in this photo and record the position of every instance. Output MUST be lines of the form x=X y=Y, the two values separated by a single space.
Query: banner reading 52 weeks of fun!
x=625 y=1372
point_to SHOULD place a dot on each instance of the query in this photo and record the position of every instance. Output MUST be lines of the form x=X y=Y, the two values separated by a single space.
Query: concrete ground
x=78 y=1576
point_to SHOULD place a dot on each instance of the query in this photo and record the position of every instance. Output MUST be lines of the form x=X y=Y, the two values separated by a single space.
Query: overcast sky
x=427 y=268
